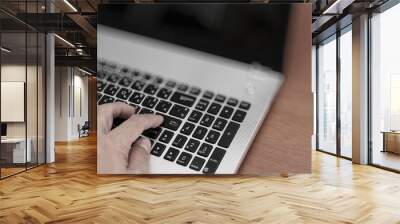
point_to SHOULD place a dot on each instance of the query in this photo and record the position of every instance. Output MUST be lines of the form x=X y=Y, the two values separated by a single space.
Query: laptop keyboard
x=199 y=125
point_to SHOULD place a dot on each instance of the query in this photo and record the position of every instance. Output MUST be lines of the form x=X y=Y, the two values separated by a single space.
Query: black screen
x=3 y=129
x=252 y=33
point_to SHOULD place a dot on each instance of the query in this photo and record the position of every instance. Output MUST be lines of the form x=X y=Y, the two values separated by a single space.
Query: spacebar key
x=170 y=122
x=229 y=134
x=183 y=99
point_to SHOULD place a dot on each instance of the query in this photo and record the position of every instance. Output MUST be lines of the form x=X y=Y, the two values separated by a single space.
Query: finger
x=130 y=130
x=139 y=157
x=118 y=109
x=107 y=113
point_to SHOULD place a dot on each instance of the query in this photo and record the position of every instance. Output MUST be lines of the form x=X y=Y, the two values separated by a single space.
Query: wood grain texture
x=283 y=144
x=70 y=191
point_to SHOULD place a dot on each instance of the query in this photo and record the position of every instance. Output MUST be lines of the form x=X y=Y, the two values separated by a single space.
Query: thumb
x=139 y=157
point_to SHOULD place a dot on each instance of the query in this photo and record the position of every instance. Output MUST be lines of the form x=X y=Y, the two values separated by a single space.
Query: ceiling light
x=84 y=71
x=5 y=50
x=70 y=5
x=65 y=41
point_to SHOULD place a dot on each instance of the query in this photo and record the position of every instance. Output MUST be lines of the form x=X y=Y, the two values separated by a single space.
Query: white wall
x=33 y=126
x=70 y=83
x=12 y=73
x=61 y=103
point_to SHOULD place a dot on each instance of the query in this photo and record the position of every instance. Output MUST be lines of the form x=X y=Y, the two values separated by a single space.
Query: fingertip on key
x=161 y=118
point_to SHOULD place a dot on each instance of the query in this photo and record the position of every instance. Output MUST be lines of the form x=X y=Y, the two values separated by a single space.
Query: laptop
x=212 y=71
x=3 y=131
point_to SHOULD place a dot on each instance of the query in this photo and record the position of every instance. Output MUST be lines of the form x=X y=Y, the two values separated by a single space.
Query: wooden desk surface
x=283 y=144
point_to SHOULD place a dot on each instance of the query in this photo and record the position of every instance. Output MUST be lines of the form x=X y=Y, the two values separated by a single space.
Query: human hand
x=120 y=150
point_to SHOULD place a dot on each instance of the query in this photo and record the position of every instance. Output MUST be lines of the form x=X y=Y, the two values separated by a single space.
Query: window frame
x=371 y=13
x=333 y=37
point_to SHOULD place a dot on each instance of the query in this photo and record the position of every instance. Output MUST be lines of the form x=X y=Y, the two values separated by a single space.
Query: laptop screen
x=3 y=129
x=251 y=33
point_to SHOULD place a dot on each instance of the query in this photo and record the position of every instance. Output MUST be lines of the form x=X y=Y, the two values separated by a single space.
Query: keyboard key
x=135 y=74
x=202 y=105
x=229 y=134
x=226 y=112
x=244 y=105
x=239 y=115
x=219 y=124
x=207 y=120
x=106 y=99
x=166 y=136
x=220 y=98
x=163 y=106
x=214 y=108
x=182 y=87
x=138 y=85
x=195 y=116
x=113 y=78
x=170 y=122
x=152 y=133
x=150 y=89
x=125 y=81
x=208 y=95
x=212 y=137
x=164 y=93
x=146 y=111
x=179 y=111
x=195 y=91
x=192 y=145
x=171 y=154
x=101 y=75
x=123 y=93
x=111 y=90
x=170 y=84
x=183 y=99
x=146 y=76
x=158 y=149
x=232 y=102
x=99 y=95
x=124 y=70
x=150 y=102
x=184 y=159
x=187 y=128
x=158 y=80
x=214 y=161
x=179 y=141
x=197 y=163
x=136 y=97
x=205 y=150
x=200 y=132
x=100 y=85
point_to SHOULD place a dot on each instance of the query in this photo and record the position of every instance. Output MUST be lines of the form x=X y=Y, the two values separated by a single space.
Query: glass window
x=22 y=94
x=346 y=94
x=385 y=89
x=327 y=96
x=15 y=150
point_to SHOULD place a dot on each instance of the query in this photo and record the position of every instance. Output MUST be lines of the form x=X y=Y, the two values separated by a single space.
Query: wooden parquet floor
x=69 y=191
